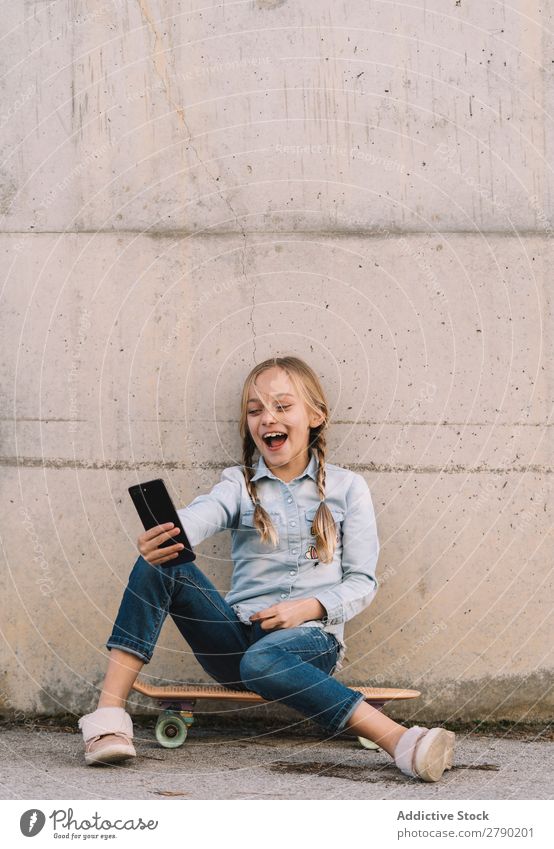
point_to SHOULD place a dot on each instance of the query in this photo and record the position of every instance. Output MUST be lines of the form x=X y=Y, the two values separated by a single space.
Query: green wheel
x=367 y=744
x=171 y=731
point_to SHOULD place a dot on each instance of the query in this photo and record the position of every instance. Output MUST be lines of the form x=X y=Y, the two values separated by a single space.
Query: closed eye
x=279 y=407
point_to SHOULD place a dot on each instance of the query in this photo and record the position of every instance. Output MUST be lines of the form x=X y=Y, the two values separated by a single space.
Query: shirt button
x=292 y=572
x=289 y=500
x=283 y=595
x=294 y=551
x=293 y=523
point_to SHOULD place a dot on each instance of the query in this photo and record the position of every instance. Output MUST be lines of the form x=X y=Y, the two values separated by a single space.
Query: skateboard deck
x=191 y=692
x=172 y=726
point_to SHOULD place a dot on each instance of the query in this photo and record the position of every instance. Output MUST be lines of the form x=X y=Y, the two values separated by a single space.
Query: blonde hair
x=310 y=390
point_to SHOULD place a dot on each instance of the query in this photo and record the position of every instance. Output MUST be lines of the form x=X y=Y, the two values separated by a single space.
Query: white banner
x=278 y=824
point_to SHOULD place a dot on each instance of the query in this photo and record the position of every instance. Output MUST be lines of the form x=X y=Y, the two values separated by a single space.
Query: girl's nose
x=268 y=417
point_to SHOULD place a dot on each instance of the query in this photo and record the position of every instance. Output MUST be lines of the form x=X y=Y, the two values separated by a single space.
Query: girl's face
x=274 y=407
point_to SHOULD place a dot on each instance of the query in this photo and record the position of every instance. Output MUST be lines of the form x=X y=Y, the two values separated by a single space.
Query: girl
x=304 y=549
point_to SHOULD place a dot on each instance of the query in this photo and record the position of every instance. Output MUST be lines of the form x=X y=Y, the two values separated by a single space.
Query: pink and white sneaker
x=108 y=734
x=425 y=753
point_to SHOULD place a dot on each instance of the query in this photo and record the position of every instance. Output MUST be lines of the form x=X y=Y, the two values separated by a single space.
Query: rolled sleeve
x=360 y=552
x=214 y=511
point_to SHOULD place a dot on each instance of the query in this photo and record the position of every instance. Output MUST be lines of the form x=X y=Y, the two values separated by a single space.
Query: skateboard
x=178 y=704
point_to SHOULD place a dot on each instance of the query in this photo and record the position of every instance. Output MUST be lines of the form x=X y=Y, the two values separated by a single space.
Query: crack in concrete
x=251 y=321
x=161 y=69
x=160 y=65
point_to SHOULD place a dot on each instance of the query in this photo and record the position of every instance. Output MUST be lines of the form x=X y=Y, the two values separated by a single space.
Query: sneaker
x=108 y=734
x=425 y=753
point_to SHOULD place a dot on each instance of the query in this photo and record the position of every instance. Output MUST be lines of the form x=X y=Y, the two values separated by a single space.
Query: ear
x=316 y=419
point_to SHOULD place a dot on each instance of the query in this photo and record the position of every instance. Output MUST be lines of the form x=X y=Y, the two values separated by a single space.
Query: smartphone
x=155 y=507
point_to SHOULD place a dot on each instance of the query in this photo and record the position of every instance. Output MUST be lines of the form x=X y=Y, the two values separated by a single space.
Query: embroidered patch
x=311 y=553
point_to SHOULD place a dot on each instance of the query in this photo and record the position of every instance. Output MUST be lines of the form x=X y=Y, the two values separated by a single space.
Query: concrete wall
x=189 y=188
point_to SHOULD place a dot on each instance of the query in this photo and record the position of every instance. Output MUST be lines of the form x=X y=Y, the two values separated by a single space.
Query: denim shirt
x=264 y=575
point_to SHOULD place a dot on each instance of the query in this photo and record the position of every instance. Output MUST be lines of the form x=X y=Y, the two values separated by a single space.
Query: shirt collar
x=262 y=470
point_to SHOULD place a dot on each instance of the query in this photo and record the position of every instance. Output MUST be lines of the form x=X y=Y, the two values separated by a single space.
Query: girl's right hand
x=149 y=544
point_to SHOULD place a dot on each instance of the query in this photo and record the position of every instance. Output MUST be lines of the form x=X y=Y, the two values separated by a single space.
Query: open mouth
x=275 y=439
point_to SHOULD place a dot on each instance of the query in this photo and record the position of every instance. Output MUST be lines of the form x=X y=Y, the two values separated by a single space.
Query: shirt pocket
x=250 y=535
x=336 y=512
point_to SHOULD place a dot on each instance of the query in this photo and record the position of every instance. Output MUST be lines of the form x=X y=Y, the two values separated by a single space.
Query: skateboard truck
x=173 y=724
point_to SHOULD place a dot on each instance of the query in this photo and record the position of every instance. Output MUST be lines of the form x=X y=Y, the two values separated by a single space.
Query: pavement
x=44 y=760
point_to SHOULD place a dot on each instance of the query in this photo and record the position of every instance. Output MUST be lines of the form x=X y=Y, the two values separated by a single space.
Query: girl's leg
x=367 y=721
x=123 y=668
x=293 y=665
x=210 y=626
x=214 y=632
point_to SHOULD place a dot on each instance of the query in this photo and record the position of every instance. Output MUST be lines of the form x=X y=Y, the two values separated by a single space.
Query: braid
x=323 y=528
x=247 y=455
x=319 y=448
x=262 y=521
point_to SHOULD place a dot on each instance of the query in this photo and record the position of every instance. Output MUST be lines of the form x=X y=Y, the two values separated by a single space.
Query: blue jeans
x=291 y=665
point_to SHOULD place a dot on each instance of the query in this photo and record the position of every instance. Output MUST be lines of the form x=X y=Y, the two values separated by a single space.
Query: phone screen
x=155 y=507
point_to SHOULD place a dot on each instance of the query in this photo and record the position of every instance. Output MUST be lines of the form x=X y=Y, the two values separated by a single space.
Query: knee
x=254 y=666
x=145 y=578
x=143 y=571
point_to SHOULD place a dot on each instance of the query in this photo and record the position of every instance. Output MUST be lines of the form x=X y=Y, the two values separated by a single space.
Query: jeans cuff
x=129 y=647
x=346 y=712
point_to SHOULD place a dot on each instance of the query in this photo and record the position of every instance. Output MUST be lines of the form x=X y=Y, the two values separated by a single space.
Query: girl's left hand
x=289 y=614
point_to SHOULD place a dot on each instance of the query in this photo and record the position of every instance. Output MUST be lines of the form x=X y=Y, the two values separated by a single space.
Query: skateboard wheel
x=367 y=744
x=171 y=731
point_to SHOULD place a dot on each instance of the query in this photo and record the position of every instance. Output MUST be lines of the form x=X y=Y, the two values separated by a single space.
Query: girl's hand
x=149 y=544
x=289 y=614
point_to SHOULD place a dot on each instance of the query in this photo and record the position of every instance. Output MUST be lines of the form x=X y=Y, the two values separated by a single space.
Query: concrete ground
x=45 y=761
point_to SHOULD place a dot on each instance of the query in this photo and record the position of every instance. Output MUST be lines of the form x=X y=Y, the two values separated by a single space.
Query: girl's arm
x=360 y=552
x=216 y=510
